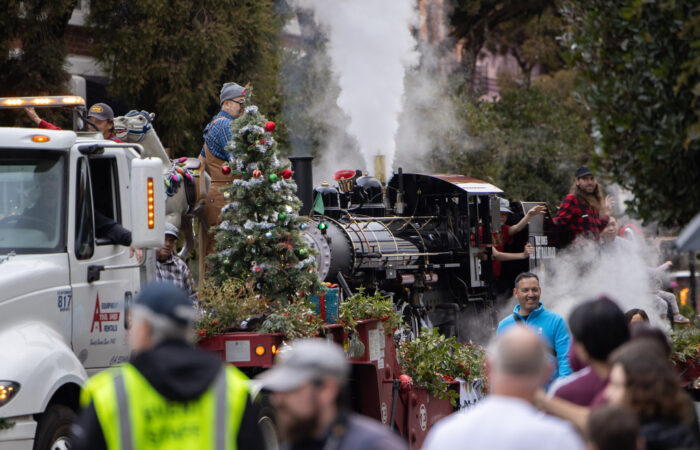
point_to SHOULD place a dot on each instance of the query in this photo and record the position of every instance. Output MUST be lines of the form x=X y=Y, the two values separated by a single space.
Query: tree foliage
x=171 y=57
x=528 y=143
x=640 y=64
x=38 y=27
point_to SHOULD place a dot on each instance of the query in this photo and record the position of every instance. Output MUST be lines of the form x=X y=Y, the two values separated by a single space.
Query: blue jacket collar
x=535 y=313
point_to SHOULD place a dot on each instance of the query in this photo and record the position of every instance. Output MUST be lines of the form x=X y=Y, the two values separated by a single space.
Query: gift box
x=326 y=304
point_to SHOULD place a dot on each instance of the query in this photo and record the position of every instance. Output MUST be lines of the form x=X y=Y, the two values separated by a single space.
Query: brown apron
x=215 y=198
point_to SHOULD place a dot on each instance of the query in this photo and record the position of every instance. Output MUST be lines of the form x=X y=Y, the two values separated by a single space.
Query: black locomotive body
x=423 y=239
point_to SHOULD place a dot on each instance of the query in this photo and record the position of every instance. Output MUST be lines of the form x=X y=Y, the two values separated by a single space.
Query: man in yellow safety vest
x=169 y=395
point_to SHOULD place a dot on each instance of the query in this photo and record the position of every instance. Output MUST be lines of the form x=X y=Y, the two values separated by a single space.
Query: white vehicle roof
x=22 y=138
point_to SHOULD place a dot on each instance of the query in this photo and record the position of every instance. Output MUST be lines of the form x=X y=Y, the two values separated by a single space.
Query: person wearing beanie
x=214 y=154
x=170 y=394
x=170 y=267
x=100 y=118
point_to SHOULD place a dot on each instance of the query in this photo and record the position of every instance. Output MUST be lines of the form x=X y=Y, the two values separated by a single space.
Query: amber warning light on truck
x=53 y=101
x=151 y=205
x=148 y=203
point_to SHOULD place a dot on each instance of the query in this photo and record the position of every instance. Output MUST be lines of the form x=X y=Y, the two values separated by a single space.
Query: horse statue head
x=186 y=183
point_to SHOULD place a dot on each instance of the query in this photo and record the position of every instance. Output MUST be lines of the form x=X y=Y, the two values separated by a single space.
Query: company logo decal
x=99 y=317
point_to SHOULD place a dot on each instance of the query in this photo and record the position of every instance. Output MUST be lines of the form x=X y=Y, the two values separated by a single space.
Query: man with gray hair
x=170 y=394
x=306 y=386
x=214 y=154
x=517 y=365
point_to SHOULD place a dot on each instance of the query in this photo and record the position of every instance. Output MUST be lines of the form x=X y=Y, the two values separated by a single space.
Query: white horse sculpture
x=183 y=176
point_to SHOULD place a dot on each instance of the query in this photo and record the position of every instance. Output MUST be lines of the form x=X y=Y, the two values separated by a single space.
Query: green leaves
x=640 y=62
x=528 y=143
x=171 y=57
x=433 y=361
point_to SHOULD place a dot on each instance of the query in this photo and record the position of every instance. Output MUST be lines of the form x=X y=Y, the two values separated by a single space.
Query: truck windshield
x=32 y=201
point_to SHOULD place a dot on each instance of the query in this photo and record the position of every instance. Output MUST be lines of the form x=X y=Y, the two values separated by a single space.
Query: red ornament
x=406 y=382
x=257 y=269
x=270 y=126
x=262 y=141
x=225 y=170
x=257 y=173
x=286 y=174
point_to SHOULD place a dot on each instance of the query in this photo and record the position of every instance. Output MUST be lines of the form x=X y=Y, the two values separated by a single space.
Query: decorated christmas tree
x=259 y=237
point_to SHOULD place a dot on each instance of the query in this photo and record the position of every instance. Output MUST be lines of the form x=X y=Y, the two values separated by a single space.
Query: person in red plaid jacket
x=579 y=212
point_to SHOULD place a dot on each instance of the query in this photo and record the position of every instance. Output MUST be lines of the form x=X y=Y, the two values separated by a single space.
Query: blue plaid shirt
x=217 y=136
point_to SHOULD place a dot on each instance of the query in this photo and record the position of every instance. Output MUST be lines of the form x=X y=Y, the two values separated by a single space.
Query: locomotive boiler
x=422 y=239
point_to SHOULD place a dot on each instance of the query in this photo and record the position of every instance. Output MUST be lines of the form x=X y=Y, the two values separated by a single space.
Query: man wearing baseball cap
x=170 y=394
x=580 y=211
x=100 y=118
x=214 y=154
x=306 y=386
x=170 y=267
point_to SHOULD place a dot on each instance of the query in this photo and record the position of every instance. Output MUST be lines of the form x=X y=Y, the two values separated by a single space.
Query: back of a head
x=644 y=330
x=613 y=428
x=168 y=309
x=600 y=326
x=518 y=353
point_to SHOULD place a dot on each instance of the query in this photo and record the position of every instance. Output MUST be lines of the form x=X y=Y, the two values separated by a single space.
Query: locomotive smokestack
x=303 y=177
x=379 y=169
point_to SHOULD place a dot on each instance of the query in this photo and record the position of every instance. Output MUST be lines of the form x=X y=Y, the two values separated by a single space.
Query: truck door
x=98 y=336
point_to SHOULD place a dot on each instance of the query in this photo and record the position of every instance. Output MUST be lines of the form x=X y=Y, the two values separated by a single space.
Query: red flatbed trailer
x=374 y=383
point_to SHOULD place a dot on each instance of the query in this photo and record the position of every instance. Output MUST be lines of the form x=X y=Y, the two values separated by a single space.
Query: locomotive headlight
x=8 y=389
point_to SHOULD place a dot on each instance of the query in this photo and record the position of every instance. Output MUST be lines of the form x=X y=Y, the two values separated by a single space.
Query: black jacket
x=179 y=372
x=667 y=435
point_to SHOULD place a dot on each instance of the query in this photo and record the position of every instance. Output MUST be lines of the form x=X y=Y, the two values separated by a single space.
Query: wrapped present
x=326 y=303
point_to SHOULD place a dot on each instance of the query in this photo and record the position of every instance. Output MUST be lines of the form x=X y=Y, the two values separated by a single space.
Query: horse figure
x=186 y=181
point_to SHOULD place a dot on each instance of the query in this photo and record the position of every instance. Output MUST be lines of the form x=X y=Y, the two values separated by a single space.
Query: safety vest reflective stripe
x=123 y=412
x=125 y=402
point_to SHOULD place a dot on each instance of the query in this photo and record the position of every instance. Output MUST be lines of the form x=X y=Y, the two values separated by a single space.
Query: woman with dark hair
x=643 y=380
x=636 y=315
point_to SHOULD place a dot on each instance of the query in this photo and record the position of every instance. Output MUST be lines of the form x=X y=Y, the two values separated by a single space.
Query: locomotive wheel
x=411 y=319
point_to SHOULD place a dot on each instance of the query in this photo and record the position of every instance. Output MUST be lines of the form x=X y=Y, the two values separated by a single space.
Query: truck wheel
x=269 y=431
x=54 y=428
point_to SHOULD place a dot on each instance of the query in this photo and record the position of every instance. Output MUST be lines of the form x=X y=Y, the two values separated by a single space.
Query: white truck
x=64 y=290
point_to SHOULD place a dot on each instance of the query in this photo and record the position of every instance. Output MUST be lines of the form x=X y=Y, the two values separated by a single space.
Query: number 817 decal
x=64 y=300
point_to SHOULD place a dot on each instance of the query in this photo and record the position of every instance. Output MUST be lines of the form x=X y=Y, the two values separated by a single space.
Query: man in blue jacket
x=550 y=326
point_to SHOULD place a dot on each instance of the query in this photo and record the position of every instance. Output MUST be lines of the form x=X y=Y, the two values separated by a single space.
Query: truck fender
x=38 y=358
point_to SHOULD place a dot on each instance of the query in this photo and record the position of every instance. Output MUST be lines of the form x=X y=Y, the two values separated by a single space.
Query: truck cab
x=65 y=285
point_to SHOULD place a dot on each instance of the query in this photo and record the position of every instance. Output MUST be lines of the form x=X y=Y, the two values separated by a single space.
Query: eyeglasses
x=240 y=102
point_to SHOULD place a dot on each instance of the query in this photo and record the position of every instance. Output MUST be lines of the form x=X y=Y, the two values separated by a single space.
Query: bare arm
x=539 y=209
x=502 y=256
x=576 y=414
x=31 y=112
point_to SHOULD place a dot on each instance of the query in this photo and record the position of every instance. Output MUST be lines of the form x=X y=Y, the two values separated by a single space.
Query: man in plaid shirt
x=579 y=213
x=169 y=266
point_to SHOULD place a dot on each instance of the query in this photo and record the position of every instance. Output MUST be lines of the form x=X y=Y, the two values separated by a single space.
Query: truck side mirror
x=147 y=203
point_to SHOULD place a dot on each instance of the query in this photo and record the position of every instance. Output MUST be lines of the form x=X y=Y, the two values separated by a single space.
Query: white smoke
x=621 y=272
x=371 y=46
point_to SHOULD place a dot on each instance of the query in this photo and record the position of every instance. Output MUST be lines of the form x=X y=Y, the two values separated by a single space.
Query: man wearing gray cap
x=214 y=154
x=170 y=267
x=306 y=386
x=170 y=395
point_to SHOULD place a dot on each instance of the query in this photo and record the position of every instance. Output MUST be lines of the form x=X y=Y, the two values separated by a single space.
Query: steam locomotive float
x=424 y=240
